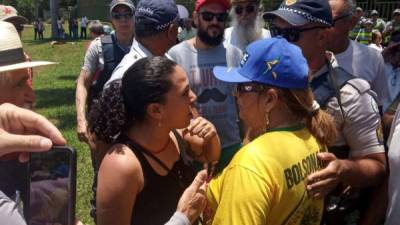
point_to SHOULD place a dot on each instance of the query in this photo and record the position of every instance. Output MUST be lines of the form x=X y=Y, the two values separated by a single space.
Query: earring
x=266 y=120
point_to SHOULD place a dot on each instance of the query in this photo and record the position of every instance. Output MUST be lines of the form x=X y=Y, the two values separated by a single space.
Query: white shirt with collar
x=360 y=127
x=367 y=63
x=393 y=209
x=137 y=52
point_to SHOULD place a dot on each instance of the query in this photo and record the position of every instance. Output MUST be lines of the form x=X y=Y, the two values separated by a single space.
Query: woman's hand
x=202 y=137
x=202 y=128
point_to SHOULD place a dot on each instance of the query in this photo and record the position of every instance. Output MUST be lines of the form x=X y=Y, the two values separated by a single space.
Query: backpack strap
x=328 y=85
x=107 y=46
x=113 y=55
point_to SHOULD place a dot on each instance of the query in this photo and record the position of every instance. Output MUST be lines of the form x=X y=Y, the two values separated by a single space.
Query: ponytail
x=320 y=124
x=108 y=117
x=125 y=101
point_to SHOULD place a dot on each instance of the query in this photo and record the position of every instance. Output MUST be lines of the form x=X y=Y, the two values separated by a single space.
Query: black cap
x=302 y=12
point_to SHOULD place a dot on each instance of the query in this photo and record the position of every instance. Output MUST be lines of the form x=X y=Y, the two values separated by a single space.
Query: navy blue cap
x=127 y=3
x=160 y=13
x=302 y=12
x=272 y=61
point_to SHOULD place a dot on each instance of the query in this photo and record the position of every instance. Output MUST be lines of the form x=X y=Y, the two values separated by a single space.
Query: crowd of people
x=294 y=113
x=369 y=26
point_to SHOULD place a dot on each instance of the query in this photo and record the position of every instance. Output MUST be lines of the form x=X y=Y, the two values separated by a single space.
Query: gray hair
x=96 y=27
x=350 y=7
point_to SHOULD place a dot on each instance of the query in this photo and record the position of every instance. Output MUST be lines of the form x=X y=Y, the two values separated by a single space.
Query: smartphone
x=52 y=187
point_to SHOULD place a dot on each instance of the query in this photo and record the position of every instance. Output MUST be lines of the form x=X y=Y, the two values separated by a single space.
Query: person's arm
x=9 y=211
x=362 y=172
x=366 y=165
x=24 y=131
x=120 y=179
x=192 y=202
x=82 y=88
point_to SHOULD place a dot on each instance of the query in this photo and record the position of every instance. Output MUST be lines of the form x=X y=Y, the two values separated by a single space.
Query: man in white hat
x=14 y=89
x=13 y=68
x=10 y=14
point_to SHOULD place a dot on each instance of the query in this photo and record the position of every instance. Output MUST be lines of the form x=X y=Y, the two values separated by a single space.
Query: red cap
x=225 y=3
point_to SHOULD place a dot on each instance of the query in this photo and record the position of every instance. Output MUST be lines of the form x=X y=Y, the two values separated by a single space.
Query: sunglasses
x=209 y=16
x=342 y=17
x=249 y=9
x=246 y=88
x=291 y=34
x=120 y=16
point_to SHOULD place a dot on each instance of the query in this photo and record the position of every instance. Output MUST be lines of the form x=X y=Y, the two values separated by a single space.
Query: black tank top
x=157 y=201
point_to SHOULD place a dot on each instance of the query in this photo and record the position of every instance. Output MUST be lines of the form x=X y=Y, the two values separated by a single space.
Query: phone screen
x=52 y=181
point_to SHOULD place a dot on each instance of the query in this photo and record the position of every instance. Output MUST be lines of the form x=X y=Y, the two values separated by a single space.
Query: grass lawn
x=55 y=93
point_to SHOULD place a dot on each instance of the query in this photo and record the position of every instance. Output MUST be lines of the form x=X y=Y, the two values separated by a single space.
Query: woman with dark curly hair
x=143 y=174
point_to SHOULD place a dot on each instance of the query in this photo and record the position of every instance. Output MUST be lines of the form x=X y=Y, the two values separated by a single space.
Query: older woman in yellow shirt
x=265 y=181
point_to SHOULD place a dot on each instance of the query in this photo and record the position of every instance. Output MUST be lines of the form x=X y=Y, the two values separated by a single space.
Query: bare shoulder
x=121 y=162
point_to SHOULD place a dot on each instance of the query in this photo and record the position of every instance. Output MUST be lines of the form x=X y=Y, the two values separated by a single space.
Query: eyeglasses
x=249 y=9
x=120 y=16
x=290 y=34
x=209 y=16
x=342 y=17
x=248 y=87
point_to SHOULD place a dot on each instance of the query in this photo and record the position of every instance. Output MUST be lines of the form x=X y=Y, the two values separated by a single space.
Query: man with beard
x=247 y=23
x=198 y=56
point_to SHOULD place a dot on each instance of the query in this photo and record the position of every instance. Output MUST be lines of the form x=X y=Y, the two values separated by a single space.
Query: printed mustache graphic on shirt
x=209 y=94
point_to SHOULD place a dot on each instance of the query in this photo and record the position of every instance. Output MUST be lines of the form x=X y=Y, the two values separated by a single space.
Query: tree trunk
x=54 y=17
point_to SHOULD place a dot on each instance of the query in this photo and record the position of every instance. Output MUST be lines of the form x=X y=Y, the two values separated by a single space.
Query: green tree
x=27 y=7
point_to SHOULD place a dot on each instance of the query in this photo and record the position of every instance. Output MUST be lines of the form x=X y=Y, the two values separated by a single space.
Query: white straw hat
x=11 y=53
x=10 y=14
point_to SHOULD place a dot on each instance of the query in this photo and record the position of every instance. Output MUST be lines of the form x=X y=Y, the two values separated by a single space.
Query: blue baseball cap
x=160 y=13
x=302 y=12
x=272 y=61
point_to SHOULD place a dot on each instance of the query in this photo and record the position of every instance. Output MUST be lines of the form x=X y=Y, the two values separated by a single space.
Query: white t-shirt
x=374 y=46
x=84 y=22
x=233 y=39
x=367 y=63
x=94 y=58
x=393 y=210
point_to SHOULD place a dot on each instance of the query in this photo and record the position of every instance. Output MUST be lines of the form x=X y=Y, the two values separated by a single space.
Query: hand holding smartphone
x=52 y=187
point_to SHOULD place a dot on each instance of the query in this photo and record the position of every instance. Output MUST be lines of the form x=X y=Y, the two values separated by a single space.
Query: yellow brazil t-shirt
x=265 y=182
